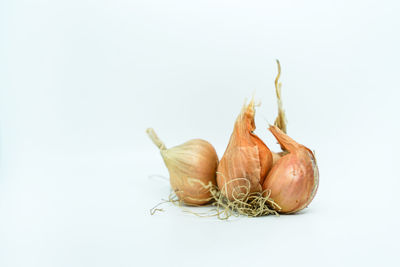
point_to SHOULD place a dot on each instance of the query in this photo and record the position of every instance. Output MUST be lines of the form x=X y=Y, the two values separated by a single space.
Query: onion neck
x=153 y=136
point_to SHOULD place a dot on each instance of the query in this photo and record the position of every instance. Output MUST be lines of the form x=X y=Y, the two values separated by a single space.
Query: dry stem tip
x=280 y=120
x=153 y=136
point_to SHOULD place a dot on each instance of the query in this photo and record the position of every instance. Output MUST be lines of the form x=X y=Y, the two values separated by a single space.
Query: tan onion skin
x=294 y=178
x=191 y=166
x=246 y=157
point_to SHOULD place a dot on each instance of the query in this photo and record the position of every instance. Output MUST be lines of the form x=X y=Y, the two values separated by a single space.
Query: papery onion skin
x=246 y=157
x=192 y=168
x=294 y=178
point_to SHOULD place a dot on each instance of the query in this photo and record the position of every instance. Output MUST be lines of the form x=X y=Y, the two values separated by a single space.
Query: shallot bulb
x=246 y=160
x=293 y=179
x=192 y=168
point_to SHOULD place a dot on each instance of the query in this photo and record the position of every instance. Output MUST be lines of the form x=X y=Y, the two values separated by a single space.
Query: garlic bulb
x=247 y=159
x=192 y=167
x=293 y=179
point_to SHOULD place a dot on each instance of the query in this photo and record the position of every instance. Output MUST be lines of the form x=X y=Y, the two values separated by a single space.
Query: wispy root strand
x=252 y=204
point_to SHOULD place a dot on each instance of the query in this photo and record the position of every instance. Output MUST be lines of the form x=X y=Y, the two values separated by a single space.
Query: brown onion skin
x=294 y=178
x=246 y=160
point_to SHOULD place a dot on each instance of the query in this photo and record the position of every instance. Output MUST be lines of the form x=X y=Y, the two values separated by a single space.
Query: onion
x=192 y=168
x=246 y=160
x=293 y=179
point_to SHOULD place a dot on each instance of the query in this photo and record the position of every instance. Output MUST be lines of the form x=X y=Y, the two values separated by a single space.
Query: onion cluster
x=248 y=172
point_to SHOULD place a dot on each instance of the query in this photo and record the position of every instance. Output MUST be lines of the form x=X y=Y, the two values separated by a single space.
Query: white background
x=81 y=81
